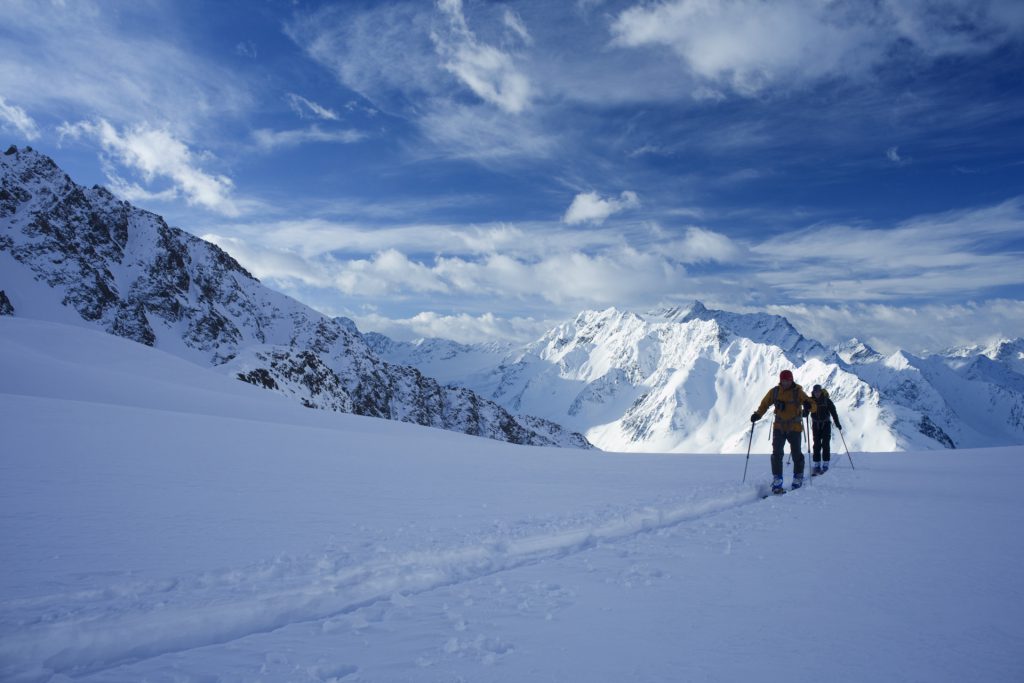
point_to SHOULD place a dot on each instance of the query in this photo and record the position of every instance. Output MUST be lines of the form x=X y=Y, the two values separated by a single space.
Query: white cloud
x=957 y=253
x=893 y=155
x=386 y=273
x=300 y=105
x=266 y=262
x=751 y=45
x=941 y=28
x=417 y=63
x=558 y=274
x=701 y=245
x=133 y=192
x=612 y=276
x=834 y=281
x=246 y=48
x=15 y=116
x=919 y=329
x=272 y=139
x=384 y=52
x=156 y=153
x=88 y=59
x=483 y=134
x=461 y=327
x=748 y=44
x=590 y=207
x=315 y=237
x=489 y=72
x=551 y=272
x=514 y=23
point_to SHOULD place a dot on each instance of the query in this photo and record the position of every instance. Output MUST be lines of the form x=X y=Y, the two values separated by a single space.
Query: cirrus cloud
x=304 y=106
x=269 y=140
x=90 y=59
x=489 y=72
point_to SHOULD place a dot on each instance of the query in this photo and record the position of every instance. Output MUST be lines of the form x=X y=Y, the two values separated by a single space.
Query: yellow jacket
x=789 y=409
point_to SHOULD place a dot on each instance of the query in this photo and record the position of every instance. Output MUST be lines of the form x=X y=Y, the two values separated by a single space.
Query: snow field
x=164 y=499
x=155 y=527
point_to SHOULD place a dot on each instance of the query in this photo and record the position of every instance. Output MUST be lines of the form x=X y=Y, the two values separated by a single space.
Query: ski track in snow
x=96 y=630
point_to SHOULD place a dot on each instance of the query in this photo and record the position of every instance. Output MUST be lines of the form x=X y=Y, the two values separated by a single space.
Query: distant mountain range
x=679 y=379
x=685 y=379
x=81 y=256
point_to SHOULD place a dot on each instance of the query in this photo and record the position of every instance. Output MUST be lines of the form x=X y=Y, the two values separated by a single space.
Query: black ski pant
x=779 y=440
x=822 y=432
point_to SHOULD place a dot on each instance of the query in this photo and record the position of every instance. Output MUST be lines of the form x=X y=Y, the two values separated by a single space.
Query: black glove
x=839 y=426
x=807 y=409
x=754 y=417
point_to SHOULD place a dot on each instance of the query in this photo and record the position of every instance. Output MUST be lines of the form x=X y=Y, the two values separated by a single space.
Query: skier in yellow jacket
x=790 y=404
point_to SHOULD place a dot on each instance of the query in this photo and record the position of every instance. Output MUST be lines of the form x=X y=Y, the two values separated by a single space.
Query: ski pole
x=789 y=452
x=807 y=429
x=749 y=441
x=847 y=449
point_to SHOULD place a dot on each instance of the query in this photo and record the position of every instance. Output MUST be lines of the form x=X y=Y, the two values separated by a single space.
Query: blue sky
x=483 y=170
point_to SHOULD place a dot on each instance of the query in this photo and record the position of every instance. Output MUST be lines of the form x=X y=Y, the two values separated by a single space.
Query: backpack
x=777 y=402
x=781 y=406
x=823 y=403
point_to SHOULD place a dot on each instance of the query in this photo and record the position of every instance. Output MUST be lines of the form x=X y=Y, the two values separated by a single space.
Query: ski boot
x=798 y=481
x=777 y=485
x=824 y=467
x=817 y=470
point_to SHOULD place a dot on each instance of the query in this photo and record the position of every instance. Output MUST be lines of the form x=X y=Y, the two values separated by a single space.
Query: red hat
x=786 y=375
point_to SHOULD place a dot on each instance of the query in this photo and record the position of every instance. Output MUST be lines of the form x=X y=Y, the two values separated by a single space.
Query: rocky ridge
x=125 y=271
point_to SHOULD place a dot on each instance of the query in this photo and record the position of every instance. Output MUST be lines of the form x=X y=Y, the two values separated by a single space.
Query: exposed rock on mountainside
x=6 y=307
x=124 y=270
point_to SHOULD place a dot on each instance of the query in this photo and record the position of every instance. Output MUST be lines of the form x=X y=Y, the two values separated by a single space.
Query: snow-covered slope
x=161 y=522
x=80 y=256
x=686 y=379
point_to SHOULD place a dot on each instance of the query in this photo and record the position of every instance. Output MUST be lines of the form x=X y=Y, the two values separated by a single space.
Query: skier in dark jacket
x=790 y=403
x=821 y=428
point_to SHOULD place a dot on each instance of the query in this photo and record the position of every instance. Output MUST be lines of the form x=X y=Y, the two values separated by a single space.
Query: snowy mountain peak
x=1006 y=350
x=763 y=328
x=855 y=351
x=1003 y=350
x=31 y=167
x=899 y=360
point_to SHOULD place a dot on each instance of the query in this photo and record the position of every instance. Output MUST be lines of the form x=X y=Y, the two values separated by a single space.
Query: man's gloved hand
x=754 y=417
x=839 y=426
x=807 y=409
